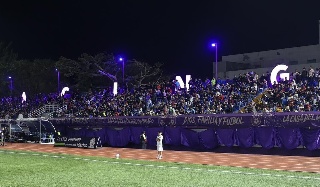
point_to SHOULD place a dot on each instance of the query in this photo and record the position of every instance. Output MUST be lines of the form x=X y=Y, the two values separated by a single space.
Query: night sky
x=173 y=32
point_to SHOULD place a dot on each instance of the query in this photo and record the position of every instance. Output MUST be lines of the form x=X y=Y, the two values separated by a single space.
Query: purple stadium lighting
x=216 y=46
x=11 y=84
x=122 y=60
x=58 y=74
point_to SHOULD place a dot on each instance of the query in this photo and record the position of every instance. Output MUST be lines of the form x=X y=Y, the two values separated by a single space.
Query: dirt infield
x=274 y=162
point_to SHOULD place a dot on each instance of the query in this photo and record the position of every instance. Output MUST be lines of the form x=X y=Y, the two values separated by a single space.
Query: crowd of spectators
x=300 y=93
x=11 y=107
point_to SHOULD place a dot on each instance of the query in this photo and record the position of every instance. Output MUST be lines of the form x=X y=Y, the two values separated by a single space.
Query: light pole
x=216 y=46
x=11 y=87
x=122 y=60
x=58 y=74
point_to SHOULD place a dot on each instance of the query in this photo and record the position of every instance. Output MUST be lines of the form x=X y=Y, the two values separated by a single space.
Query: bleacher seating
x=300 y=93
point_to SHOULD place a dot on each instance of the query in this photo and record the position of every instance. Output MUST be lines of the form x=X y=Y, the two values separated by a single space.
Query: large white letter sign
x=24 y=97
x=179 y=79
x=64 y=90
x=115 y=88
x=276 y=70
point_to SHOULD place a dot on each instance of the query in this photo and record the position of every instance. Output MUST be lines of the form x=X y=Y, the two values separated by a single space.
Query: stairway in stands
x=37 y=113
x=46 y=110
x=255 y=100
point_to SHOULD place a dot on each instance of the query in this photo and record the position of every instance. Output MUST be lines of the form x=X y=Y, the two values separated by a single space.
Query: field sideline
x=21 y=168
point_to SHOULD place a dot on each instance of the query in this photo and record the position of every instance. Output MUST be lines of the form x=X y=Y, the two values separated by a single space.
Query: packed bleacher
x=300 y=93
x=11 y=107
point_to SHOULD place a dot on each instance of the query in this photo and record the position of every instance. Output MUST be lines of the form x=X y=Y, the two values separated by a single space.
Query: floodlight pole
x=58 y=82
x=123 y=71
x=215 y=45
x=58 y=76
x=11 y=84
x=122 y=60
x=216 y=62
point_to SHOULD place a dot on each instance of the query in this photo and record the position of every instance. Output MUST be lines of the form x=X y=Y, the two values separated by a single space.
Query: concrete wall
x=260 y=71
x=263 y=61
x=298 y=55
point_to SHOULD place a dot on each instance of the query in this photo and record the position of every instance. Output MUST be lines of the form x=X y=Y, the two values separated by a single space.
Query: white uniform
x=159 y=143
x=1 y=138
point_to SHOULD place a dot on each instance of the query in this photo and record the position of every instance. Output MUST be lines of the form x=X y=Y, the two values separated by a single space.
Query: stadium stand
x=245 y=93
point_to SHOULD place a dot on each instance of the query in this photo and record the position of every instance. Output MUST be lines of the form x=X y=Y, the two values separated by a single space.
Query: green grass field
x=41 y=169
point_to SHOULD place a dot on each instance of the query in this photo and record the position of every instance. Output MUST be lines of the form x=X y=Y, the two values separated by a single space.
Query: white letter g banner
x=276 y=70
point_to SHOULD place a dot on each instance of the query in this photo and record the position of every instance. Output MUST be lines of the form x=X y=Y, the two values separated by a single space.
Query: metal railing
x=48 y=110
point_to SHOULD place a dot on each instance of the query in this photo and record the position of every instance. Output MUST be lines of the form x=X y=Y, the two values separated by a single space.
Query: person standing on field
x=143 y=139
x=2 y=137
x=159 y=145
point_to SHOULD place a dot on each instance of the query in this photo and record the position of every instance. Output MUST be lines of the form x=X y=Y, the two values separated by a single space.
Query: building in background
x=264 y=61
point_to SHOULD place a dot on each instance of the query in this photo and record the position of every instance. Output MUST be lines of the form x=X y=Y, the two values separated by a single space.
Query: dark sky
x=174 y=32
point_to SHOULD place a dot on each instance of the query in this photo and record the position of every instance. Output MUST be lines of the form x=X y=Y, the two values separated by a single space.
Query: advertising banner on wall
x=290 y=119
x=78 y=142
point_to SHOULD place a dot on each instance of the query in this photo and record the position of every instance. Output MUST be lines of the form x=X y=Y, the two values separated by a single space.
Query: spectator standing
x=213 y=82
